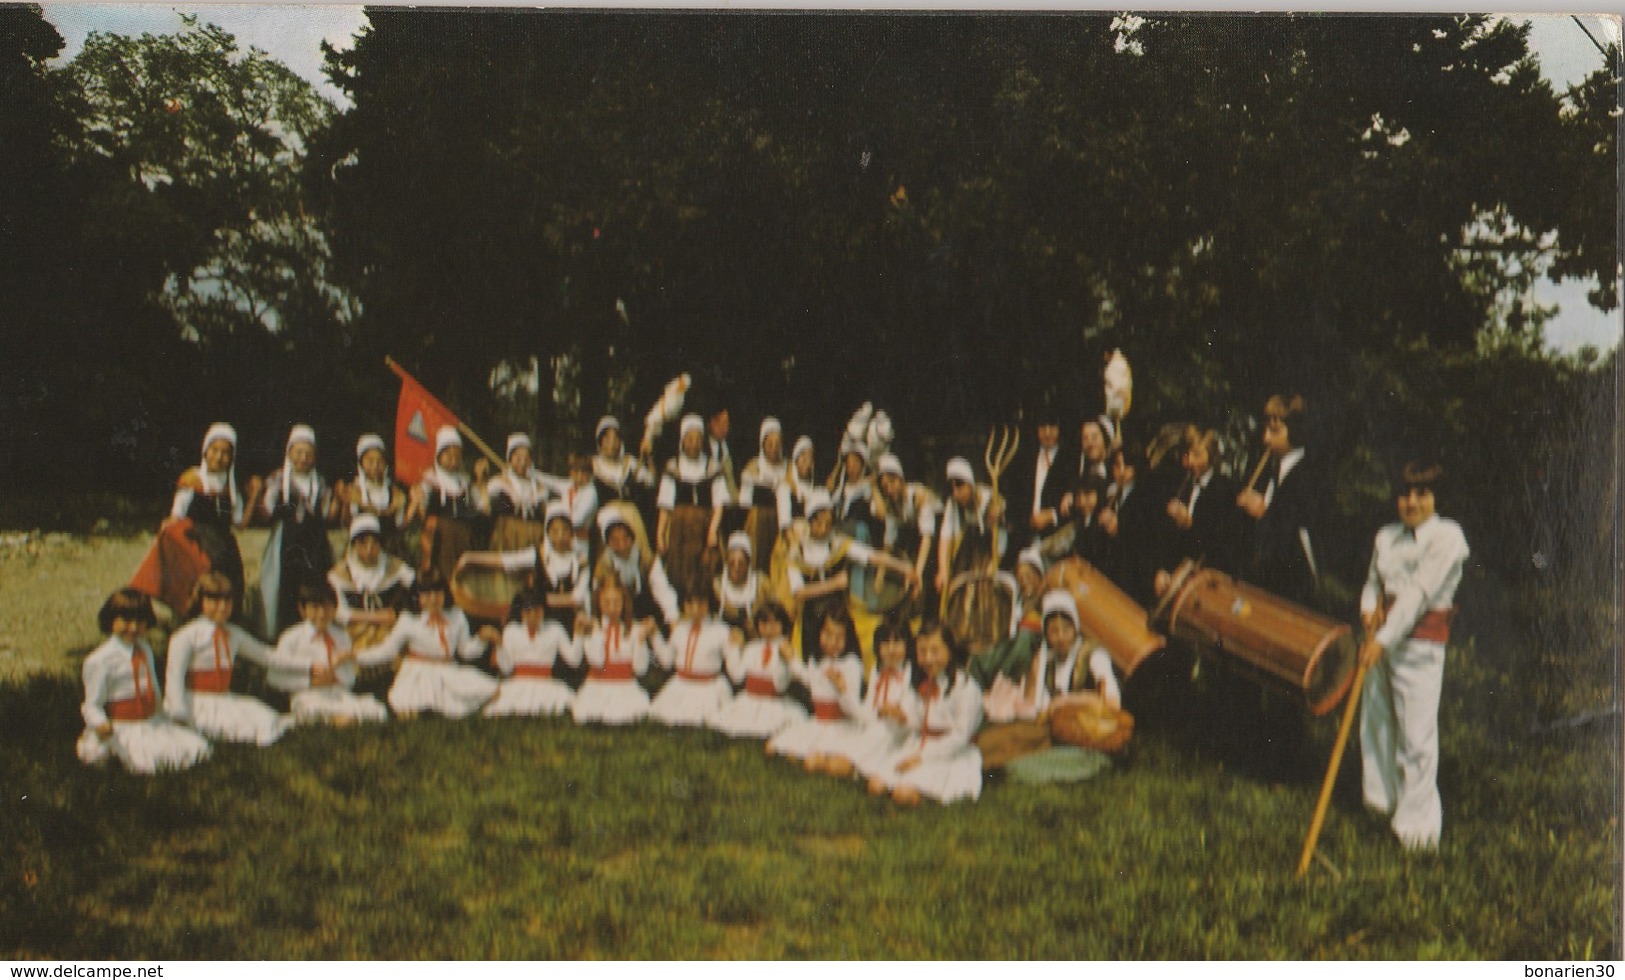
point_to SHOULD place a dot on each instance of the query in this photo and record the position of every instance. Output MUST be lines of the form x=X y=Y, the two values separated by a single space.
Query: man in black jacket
x=1283 y=506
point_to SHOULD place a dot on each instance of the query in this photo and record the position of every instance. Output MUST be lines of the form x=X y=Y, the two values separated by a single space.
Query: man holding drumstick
x=1406 y=608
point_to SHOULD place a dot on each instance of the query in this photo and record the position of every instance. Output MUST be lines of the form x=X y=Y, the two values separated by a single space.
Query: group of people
x=743 y=612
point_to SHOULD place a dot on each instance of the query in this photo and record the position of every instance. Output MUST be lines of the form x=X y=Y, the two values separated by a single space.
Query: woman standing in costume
x=693 y=493
x=299 y=506
x=759 y=491
x=518 y=497
x=207 y=496
x=445 y=498
x=741 y=589
x=374 y=492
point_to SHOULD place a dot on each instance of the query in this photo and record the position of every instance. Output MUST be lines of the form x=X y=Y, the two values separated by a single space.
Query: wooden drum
x=484 y=592
x=1117 y=621
x=1309 y=655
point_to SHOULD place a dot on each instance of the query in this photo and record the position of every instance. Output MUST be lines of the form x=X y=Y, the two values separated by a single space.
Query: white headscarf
x=310 y=486
x=370 y=491
x=216 y=433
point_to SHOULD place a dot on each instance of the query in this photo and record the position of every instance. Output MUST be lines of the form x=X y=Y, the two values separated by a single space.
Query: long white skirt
x=446 y=688
x=531 y=696
x=757 y=715
x=145 y=747
x=237 y=718
x=813 y=736
x=869 y=746
x=690 y=702
x=333 y=703
x=610 y=702
x=954 y=777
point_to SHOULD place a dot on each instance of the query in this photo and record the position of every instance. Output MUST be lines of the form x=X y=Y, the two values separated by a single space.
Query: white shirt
x=694 y=649
x=887 y=688
x=849 y=666
x=549 y=644
x=415 y=634
x=193 y=647
x=816 y=553
x=109 y=675
x=762 y=659
x=691 y=470
x=630 y=571
x=761 y=473
x=1060 y=673
x=613 y=643
x=1196 y=491
x=919 y=506
x=1417 y=572
x=950 y=720
x=370 y=580
x=301 y=648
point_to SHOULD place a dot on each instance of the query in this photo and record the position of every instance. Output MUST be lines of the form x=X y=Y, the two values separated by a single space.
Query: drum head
x=1330 y=671
x=485 y=593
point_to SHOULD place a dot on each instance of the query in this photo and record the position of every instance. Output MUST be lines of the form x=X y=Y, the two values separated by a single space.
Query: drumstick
x=1331 y=771
x=1259 y=469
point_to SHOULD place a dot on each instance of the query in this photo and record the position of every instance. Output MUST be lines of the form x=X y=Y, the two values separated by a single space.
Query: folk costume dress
x=121 y=687
x=617 y=655
x=942 y=728
x=562 y=575
x=382 y=499
x=298 y=551
x=739 y=601
x=215 y=508
x=527 y=661
x=759 y=494
x=760 y=709
x=451 y=513
x=830 y=724
x=813 y=560
x=698 y=689
x=519 y=503
x=692 y=489
x=430 y=678
x=876 y=738
x=303 y=647
x=198 y=684
x=644 y=578
x=1414 y=576
x=385 y=584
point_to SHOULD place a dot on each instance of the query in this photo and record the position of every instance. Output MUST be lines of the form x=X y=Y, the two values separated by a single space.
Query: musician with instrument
x=1129 y=521
x=1202 y=524
x=969 y=533
x=908 y=512
x=1282 y=503
x=759 y=491
x=819 y=565
x=1406 y=608
x=1038 y=484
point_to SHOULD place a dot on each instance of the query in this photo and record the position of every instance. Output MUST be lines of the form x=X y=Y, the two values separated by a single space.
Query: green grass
x=538 y=839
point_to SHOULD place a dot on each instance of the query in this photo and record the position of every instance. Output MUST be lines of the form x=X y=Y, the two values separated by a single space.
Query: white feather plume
x=667 y=408
x=880 y=434
x=1119 y=384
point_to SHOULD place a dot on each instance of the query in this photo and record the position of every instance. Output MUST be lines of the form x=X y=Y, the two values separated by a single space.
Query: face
x=804 y=464
x=769 y=628
x=832 y=638
x=581 y=475
x=432 y=602
x=1049 y=435
x=891 y=485
x=738 y=566
x=962 y=492
x=1277 y=437
x=127 y=629
x=373 y=464
x=696 y=608
x=693 y=442
x=366 y=549
x=931 y=653
x=217 y=609
x=318 y=614
x=303 y=456
x=1094 y=442
x=519 y=459
x=1415 y=506
x=892 y=651
x=1029 y=579
x=1196 y=459
x=854 y=466
x=819 y=524
x=1059 y=633
x=612 y=603
x=719 y=425
x=610 y=442
x=560 y=534
x=1088 y=500
x=218 y=456
x=532 y=617
x=773 y=447
x=450 y=458
x=619 y=540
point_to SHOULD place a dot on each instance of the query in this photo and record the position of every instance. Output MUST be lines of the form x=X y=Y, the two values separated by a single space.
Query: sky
x=293 y=35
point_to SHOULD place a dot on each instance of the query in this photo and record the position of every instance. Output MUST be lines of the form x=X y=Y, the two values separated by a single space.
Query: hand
x=1108 y=522
x=584 y=624
x=648 y=625
x=482 y=469
x=491 y=635
x=711 y=537
x=1372 y=621
x=942 y=580
x=893 y=712
x=389 y=616
x=912 y=762
x=1161 y=581
x=914 y=585
x=736 y=636
x=1066 y=505
x=837 y=680
x=1370 y=653
x=322 y=676
x=1180 y=513
x=1042 y=521
x=995 y=509
x=104 y=730
x=164 y=524
x=1113 y=700
x=1252 y=502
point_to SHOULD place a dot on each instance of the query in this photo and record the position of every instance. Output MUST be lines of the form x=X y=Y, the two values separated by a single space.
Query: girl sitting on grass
x=198 y=676
x=832 y=673
x=617 y=654
x=530 y=650
x=316 y=663
x=938 y=757
x=123 y=717
x=882 y=732
x=697 y=652
x=763 y=666
x=433 y=639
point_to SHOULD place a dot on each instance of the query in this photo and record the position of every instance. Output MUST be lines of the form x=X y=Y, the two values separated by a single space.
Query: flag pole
x=462 y=427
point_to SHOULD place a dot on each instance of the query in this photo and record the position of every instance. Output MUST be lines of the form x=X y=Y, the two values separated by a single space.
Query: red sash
x=145 y=703
x=209 y=681
x=532 y=670
x=1434 y=626
x=619 y=671
x=828 y=710
x=762 y=687
x=689 y=675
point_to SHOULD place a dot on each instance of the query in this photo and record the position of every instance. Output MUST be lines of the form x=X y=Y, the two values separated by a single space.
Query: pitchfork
x=997 y=462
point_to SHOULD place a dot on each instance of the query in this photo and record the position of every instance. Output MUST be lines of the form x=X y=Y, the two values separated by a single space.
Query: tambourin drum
x=1309 y=656
x=1105 y=610
x=485 y=592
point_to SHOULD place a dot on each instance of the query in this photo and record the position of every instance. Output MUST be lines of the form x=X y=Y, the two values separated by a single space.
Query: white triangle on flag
x=415 y=428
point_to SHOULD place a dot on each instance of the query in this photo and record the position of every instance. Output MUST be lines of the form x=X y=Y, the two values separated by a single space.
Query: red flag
x=417 y=417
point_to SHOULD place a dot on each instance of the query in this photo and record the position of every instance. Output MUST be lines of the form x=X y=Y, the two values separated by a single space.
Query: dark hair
x=773 y=610
x=813 y=651
x=529 y=597
x=1091 y=482
x=895 y=627
x=1423 y=474
x=126 y=603
x=701 y=589
x=432 y=580
x=956 y=651
x=1132 y=452
x=1292 y=410
x=211 y=585
x=316 y=592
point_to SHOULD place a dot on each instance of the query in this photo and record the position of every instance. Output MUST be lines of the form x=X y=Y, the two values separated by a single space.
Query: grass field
x=539 y=839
